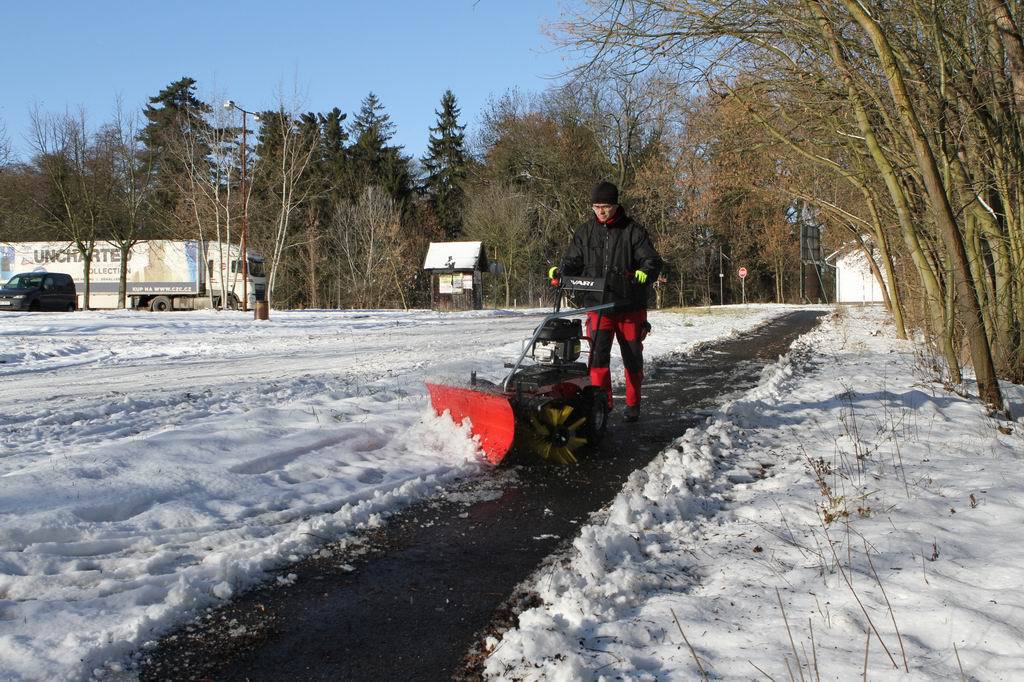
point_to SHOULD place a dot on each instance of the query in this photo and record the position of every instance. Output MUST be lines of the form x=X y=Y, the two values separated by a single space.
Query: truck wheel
x=233 y=302
x=160 y=304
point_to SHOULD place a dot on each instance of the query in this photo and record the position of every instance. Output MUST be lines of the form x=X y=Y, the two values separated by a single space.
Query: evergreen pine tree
x=446 y=167
x=373 y=160
x=372 y=129
x=171 y=113
x=332 y=161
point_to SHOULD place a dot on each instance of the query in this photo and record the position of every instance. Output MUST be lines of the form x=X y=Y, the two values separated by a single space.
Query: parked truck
x=162 y=274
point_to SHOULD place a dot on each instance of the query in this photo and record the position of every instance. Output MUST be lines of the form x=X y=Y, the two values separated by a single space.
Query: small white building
x=455 y=275
x=854 y=281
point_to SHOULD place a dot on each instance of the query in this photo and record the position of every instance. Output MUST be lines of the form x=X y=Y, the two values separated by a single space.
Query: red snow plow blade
x=490 y=416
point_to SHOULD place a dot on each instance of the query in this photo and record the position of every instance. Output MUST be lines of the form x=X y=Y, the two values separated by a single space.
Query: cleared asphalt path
x=410 y=601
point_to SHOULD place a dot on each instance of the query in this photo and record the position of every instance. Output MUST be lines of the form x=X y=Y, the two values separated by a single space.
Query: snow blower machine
x=546 y=408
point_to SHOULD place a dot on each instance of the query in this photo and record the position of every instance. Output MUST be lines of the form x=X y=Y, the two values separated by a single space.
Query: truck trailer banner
x=159 y=266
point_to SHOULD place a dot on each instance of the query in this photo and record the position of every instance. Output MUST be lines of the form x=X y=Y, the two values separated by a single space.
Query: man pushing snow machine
x=547 y=408
x=614 y=246
x=558 y=406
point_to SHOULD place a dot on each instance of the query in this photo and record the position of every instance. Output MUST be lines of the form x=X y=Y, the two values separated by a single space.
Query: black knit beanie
x=604 y=193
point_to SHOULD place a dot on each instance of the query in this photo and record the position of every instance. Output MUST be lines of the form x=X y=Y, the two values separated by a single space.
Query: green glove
x=553 y=272
x=641 y=276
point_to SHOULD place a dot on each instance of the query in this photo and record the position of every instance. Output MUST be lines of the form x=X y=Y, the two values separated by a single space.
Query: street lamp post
x=721 y=274
x=231 y=104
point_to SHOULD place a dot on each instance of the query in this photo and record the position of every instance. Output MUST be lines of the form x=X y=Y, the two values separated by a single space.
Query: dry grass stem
x=861 y=604
x=761 y=671
x=963 y=676
x=814 y=650
x=892 y=614
x=867 y=645
x=792 y=644
x=703 y=673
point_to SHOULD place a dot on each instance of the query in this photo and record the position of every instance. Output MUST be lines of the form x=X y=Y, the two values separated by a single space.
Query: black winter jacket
x=614 y=251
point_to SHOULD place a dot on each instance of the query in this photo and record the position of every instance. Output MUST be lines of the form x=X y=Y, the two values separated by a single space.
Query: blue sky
x=63 y=54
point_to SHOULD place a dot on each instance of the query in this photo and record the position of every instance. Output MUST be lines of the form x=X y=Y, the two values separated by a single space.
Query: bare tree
x=367 y=237
x=500 y=216
x=205 y=150
x=288 y=148
x=79 y=190
x=628 y=114
x=942 y=212
x=7 y=183
x=860 y=85
x=134 y=180
x=5 y=147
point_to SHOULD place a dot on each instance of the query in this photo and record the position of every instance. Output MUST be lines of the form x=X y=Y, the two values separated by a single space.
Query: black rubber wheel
x=233 y=302
x=70 y=308
x=34 y=307
x=160 y=304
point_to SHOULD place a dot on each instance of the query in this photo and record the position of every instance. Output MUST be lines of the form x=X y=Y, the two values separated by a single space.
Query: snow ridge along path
x=855 y=520
x=154 y=465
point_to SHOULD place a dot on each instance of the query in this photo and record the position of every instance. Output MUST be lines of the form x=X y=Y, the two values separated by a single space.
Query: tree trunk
x=934 y=299
x=86 y=251
x=1006 y=28
x=890 y=291
x=942 y=213
x=122 y=279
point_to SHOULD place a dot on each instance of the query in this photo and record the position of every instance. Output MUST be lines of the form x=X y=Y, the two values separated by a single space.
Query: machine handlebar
x=578 y=283
x=570 y=283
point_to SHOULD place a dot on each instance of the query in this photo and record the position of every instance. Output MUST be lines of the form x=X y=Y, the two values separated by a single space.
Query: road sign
x=742 y=273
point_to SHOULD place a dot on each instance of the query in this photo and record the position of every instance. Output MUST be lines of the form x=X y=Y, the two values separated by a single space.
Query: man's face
x=604 y=212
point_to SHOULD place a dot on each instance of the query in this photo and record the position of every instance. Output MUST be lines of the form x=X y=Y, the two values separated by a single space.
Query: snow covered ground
x=846 y=519
x=154 y=464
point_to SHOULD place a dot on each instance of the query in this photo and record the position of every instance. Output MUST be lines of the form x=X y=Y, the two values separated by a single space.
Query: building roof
x=455 y=256
x=854 y=259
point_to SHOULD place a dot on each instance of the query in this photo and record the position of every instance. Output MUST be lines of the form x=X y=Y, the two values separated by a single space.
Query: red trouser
x=629 y=329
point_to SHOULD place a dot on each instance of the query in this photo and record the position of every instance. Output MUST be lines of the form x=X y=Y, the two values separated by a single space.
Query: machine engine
x=558 y=342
